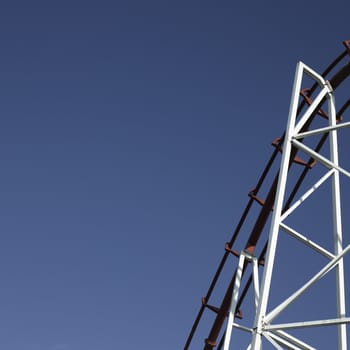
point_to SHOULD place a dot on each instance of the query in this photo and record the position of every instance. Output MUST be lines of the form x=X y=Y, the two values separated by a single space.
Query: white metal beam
x=337 y=226
x=326 y=162
x=292 y=339
x=307 y=194
x=307 y=324
x=308 y=242
x=301 y=135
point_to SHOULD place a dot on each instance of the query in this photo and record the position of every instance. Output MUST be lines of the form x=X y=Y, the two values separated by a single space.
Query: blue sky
x=131 y=132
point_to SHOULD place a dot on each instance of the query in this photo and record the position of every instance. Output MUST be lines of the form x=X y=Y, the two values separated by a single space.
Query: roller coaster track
x=256 y=243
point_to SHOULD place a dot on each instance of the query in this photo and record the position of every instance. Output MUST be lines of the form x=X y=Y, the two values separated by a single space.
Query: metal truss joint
x=305 y=94
x=260 y=329
x=297 y=160
x=329 y=86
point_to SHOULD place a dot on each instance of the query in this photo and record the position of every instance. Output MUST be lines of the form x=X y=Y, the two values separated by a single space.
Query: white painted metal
x=301 y=135
x=337 y=226
x=262 y=326
x=273 y=342
x=288 y=342
x=306 y=241
x=243 y=259
x=310 y=110
x=321 y=159
x=307 y=194
x=231 y=316
x=305 y=324
x=242 y=328
x=274 y=230
x=291 y=339
x=256 y=281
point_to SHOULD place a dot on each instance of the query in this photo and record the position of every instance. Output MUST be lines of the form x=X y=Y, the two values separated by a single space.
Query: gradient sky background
x=131 y=132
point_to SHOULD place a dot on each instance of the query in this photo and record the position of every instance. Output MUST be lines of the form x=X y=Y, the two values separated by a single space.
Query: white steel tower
x=281 y=282
x=269 y=326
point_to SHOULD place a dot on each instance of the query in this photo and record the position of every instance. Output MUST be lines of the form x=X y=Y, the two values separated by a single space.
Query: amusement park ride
x=281 y=283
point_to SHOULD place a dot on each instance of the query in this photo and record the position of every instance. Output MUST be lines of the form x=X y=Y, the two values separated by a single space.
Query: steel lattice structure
x=309 y=161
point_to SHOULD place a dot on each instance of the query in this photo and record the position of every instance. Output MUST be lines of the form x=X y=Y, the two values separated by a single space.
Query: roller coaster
x=289 y=243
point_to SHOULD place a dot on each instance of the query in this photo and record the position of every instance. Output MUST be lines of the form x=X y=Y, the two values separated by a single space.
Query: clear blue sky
x=131 y=132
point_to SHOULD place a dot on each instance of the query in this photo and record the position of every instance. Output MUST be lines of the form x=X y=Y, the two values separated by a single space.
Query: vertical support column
x=337 y=226
x=276 y=217
x=243 y=259
x=234 y=300
x=256 y=282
